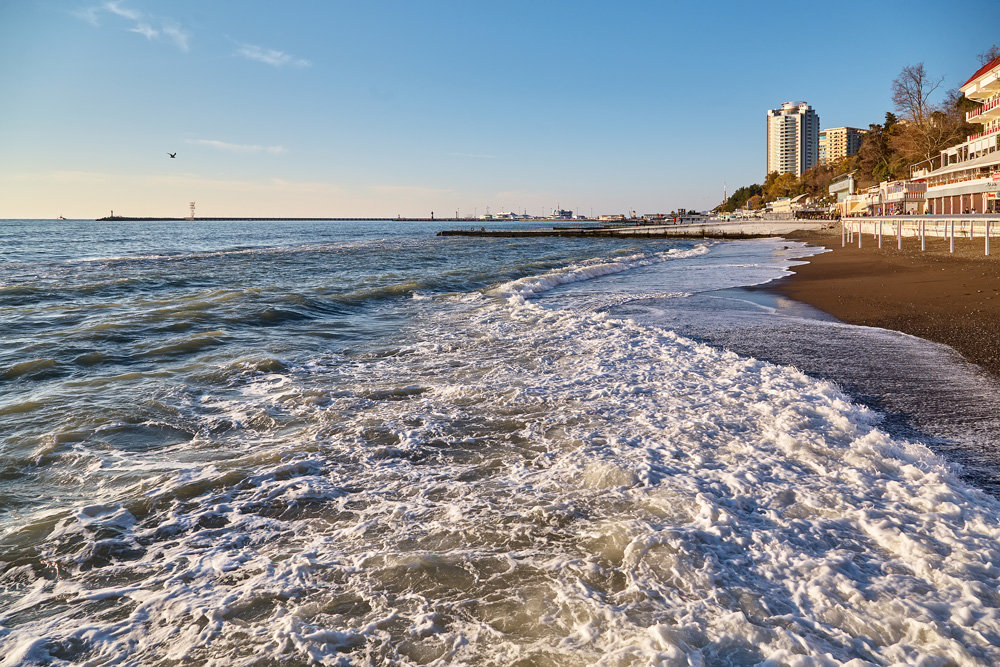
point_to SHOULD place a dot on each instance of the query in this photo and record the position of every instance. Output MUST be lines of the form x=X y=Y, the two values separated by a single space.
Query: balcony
x=963 y=177
x=984 y=133
x=899 y=187
x=900 y=191
x=989 y=106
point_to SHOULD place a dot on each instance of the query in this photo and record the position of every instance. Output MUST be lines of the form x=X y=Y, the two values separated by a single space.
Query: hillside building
x=836 y=143
x=792 y=138
x=966 y=178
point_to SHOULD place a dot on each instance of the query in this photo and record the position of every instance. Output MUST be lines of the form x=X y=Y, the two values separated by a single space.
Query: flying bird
x=172 y=154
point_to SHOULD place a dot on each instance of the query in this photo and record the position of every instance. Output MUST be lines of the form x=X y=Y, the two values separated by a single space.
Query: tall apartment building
x=836 y=143
x=792 y=138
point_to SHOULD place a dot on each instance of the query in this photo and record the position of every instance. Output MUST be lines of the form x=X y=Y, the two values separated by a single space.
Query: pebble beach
x=948 y=298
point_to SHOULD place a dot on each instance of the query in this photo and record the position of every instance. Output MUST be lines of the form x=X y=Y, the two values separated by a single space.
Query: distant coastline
x=647 y=220
x=129 y=218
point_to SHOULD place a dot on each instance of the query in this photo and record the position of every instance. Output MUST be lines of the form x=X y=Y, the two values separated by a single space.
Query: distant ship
x=60 y=218
x=561 y=214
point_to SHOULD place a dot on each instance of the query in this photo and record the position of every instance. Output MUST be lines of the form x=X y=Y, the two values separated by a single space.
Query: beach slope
x=947 y=298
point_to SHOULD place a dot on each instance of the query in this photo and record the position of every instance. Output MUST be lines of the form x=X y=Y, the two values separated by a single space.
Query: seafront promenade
x=982 y=226
x=967 y=226
x=712 y=228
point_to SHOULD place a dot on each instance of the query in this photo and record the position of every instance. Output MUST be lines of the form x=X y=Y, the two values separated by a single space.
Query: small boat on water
x=60 y=218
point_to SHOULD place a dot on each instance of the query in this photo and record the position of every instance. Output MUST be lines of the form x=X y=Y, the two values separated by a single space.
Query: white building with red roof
x=984 y=86
x=968 y=178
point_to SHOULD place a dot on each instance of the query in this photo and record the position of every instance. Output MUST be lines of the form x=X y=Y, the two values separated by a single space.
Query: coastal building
x=898 y=198
x=836 y=143
x=787 y=208
x=845 y=189
x=792 y=138
x=505 y=215
x=853 y=205
x=864 y=202
x=966 y=178
x=780 y=208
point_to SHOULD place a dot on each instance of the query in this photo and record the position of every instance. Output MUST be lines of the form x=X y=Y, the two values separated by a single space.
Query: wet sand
x=950 y=299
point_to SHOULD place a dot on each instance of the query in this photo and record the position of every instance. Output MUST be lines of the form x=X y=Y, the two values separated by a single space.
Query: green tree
x=877 y=160
x=739 y=198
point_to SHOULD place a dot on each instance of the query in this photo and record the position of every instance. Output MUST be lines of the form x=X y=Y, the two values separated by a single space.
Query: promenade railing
x=984 y=226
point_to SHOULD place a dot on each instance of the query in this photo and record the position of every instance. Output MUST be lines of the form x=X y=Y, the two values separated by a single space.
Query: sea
x=359 y=443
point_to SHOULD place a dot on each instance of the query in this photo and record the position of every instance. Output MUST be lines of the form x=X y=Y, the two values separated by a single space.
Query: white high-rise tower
x=792 y=138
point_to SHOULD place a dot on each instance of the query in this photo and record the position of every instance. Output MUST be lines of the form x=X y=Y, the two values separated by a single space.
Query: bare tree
x=944 y=125
x=911 y=91
x=989 y=55
x=916 y=142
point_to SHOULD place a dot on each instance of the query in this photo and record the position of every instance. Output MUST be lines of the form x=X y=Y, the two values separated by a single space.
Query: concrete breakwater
x=715 y=228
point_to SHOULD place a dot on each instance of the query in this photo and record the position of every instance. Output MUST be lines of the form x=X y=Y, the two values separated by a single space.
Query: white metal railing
x=989 y=130
x=987 y=106
x=984 y=226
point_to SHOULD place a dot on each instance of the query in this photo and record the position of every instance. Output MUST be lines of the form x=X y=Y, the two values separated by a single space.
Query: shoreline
x=934 y=295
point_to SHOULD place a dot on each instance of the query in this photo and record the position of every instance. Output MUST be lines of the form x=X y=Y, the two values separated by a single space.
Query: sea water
x=359 y=443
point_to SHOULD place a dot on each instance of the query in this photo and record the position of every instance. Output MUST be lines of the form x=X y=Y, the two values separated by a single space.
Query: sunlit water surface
x=358 y=443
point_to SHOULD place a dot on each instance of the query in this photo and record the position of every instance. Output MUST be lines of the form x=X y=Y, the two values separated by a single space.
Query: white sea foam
x=529 y=484
x=531 y=285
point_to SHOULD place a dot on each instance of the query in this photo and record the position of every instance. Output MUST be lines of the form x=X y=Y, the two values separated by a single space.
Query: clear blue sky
x=327 y=108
